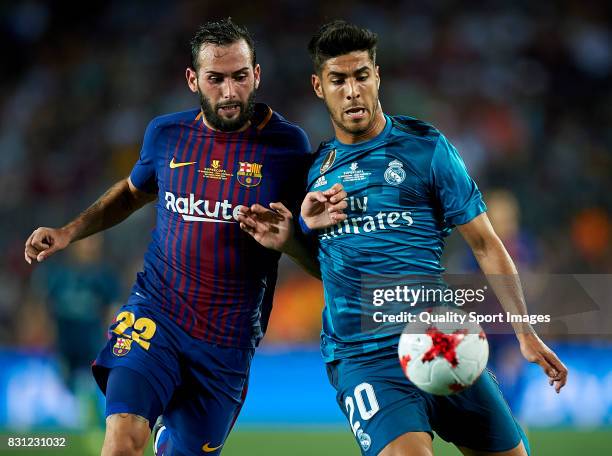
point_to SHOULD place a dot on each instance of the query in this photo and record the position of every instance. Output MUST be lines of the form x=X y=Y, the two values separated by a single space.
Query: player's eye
x=240 y=77
x=337 y=81
x=215 y=79
x=362 y=77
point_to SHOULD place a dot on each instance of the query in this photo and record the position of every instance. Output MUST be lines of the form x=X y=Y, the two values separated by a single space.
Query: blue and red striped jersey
x=200 y=268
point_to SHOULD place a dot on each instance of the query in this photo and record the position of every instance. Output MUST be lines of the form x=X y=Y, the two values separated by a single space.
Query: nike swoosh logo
x=173 y=164
x=207 y=449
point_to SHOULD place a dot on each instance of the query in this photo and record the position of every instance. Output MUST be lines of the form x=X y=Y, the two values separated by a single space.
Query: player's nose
x=352 y=90
x=229 y=91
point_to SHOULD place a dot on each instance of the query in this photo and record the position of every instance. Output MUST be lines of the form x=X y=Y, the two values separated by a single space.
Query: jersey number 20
x=365 y=412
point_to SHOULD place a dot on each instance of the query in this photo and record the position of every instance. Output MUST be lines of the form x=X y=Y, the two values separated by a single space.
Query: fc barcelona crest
x=249 y=174
x=122 y=346
x=329 y=160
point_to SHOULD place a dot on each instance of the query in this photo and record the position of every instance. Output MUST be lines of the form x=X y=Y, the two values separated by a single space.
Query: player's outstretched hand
x=44 y=242
x=272 y=228
x=322 y=209
x=536 y=351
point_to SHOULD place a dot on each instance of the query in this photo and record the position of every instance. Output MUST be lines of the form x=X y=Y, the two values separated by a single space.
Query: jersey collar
x=377 y=140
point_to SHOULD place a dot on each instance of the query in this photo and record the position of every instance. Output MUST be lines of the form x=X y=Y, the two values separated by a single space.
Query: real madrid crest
x=395 y=173
x=249 y=174
x=364 y=440
x=330 y=158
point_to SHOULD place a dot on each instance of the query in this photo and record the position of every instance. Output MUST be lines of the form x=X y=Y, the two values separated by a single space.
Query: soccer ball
x=440 y=354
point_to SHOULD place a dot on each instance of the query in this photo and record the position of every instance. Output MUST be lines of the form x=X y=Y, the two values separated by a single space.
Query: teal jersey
x=407 y=188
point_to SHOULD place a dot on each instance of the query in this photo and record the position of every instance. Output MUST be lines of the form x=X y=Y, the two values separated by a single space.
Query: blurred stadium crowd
x=523 y=89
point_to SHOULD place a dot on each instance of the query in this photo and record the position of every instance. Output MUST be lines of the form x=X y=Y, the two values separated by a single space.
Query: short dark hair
x=338 y=38
x=220 y=33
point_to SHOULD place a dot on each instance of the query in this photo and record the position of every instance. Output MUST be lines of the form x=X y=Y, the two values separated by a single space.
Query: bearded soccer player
x=183 y=343
x=408 y=187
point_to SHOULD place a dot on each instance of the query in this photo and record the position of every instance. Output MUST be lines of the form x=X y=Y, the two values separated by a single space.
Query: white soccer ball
x=440 y=355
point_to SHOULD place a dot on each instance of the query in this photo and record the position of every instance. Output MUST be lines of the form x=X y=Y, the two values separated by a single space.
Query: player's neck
x=246 y=125
x=375 y=129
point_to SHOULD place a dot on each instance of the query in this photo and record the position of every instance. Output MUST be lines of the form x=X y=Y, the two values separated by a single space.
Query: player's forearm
x=304 y=253
x=111 y=208
x=503 y=277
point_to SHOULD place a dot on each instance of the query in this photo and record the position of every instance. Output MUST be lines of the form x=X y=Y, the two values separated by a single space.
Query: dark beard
x=221 y=124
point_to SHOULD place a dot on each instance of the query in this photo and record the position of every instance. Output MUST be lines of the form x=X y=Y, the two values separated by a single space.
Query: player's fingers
x=337 y=217
x=49 y=248
x=338 y=197
x=561 y=383
x=40 y=245
x=317 y=197
x=560 y=379
x=31 y=251
x=244 y=214
x=337 y=207
x=554 y=361
x=281 y=209
x=46 y=253
x=244 y=210
x=248 y=221
x=27 y=247
x=29 y=239
x=558 y=384
x=336 y=188
x=548 y=369
x=264 y=214
x=41 y=239
x=247 y=229
x=259 y=209
x=30 y=254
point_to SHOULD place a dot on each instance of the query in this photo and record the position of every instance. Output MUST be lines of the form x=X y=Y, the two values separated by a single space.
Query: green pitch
x=331 y=443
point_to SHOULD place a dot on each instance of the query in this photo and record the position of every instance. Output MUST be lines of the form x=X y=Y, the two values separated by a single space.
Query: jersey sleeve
x=303 y=160
x=456 y=192
x=143 y=175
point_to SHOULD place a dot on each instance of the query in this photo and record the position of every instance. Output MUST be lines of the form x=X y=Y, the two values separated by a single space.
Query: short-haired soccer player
x=182 y=344
x=408 y=188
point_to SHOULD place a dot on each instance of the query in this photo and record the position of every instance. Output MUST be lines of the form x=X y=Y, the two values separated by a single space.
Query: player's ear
x=316 y=85
x=257 y=75
x=192 y=79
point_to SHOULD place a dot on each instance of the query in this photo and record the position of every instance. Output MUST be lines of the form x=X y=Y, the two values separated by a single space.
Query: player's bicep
x=478 y=233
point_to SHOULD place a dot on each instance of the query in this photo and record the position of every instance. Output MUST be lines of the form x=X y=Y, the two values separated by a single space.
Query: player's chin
x=229 y=117
x=356 y=125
